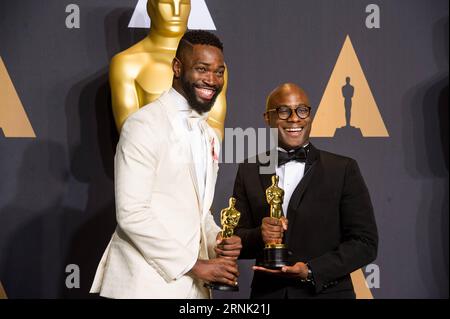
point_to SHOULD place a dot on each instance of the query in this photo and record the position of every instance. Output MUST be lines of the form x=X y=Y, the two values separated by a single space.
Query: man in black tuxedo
x=328 y=223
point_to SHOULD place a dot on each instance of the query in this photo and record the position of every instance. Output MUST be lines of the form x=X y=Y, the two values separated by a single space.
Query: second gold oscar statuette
x=229 y=219
x=275 y=255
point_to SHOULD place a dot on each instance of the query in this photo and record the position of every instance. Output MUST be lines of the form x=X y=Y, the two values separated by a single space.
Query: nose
x=211 y=79
x=176 y=7
x=294 y=117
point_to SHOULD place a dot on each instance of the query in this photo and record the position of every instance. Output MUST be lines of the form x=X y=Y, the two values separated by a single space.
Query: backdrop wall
x=56 y=190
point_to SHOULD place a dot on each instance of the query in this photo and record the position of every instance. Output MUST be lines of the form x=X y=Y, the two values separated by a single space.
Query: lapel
x=265 y=180
x=212 y=165
x=311 y=164
x=180 y=140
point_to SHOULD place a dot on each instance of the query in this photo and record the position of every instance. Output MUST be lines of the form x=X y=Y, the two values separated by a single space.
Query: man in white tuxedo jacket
x=166 y=244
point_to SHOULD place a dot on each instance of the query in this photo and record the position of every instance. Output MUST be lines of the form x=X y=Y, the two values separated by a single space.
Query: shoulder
x=252 y=164
x=329 y=156
x=123 y=65
x=131 y=60
x=149 y=121
x=336 y=161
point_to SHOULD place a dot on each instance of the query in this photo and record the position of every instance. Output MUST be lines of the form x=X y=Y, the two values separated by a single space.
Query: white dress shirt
x=290 y=175
x=192 y=123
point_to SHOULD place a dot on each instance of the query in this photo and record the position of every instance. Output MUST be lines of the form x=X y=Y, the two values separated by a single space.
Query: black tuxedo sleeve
x=247 y=229
x=359 y=239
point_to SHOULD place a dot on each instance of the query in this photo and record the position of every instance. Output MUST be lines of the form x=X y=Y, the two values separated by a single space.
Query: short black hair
x=194 y=37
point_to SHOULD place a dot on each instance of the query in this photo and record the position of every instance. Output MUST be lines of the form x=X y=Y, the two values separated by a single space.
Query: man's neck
x=288 y=149
x=177 y=87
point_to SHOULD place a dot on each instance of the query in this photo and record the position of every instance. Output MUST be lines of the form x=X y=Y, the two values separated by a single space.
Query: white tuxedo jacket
x=163 y=225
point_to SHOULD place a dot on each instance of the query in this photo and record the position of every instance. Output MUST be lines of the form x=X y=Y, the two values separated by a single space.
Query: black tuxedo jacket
x=331 y=225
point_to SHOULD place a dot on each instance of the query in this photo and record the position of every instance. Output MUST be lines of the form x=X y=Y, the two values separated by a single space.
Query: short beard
x=199 y=107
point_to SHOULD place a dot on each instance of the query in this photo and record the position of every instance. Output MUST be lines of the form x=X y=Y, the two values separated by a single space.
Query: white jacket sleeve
x=136 y=164
x=211 y=230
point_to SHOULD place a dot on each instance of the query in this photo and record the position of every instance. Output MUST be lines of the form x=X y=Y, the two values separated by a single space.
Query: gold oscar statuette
x=229 y=219
x=275 y=254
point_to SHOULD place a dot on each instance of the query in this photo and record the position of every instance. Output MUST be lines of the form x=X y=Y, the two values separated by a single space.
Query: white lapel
x=212 y=166
x=180 y=140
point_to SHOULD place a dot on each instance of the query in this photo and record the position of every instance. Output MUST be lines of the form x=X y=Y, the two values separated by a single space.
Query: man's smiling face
x=201 y=73
x=294 y=131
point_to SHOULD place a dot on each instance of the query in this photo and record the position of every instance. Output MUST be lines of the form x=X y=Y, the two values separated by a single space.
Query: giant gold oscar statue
x=140 y=74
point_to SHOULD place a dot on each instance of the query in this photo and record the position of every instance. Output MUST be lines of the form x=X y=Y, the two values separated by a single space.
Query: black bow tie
x=298 y=155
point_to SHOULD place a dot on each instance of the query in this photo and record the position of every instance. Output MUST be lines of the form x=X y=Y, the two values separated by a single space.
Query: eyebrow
x=291 y=106
x=208 y=64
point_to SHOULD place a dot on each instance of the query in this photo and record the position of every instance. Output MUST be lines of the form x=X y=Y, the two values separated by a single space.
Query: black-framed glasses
x=284 y=112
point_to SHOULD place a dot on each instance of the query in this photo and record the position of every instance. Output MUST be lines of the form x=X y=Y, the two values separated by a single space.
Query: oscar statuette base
x=221 y=287
x=275 y=256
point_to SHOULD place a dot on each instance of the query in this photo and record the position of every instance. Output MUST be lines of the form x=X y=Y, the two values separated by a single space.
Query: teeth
x=205 y=93
x=297 y=129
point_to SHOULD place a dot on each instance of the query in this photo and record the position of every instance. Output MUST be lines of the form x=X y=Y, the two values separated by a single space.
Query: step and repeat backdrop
x=386 y=60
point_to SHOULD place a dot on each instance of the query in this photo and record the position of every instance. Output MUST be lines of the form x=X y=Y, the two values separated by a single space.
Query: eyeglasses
x=284 y=112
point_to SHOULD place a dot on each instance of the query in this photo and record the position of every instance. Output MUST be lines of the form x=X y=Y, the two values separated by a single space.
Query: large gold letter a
x=13 y=119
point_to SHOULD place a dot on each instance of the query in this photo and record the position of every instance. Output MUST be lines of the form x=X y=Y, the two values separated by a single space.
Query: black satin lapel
x=266 y=179
x=310 y=167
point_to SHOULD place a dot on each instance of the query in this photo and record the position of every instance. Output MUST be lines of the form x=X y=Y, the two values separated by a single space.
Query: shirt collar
x=180 y=101
x=183 y=106
x=284 y=151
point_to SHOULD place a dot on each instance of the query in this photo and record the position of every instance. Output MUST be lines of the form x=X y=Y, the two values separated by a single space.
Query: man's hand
x=299 y=270
x=216 y=270
x=228 y=247
x=272 y=229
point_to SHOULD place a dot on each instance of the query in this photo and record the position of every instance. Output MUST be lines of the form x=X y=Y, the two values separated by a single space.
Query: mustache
x=200 y=107
x=206 y=86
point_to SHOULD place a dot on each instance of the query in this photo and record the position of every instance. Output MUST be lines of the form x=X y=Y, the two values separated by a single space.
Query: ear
x=266 y=118
x=176 y=68
x=312 y=115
